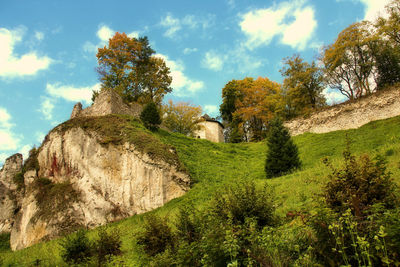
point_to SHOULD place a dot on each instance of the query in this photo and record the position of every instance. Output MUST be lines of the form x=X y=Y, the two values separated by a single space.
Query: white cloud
x=374 y=8
x=211 y=110
x=181 y=84
x=104 y=33
x=134 y=34
x=236 y=59
x=40 y=137
x=8 y=140
x=213 y=61
x=72 y=93
x=262 y=25
x=25 y=151
x=333 y=96
x=12 y=65
x=188 y=51
x=39 y=36
x=174 y=25
x=47 y=107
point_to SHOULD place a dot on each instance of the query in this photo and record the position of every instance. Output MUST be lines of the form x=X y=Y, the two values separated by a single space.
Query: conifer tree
x=150 y=116
x=282 y=154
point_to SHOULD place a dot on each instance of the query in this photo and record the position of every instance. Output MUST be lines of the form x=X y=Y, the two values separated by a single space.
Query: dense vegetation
x=290 y=234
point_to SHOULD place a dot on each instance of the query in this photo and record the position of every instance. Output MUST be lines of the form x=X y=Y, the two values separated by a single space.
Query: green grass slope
x=213 y=166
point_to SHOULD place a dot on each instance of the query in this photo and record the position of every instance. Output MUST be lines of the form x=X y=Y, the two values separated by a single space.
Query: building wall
x=211 y=131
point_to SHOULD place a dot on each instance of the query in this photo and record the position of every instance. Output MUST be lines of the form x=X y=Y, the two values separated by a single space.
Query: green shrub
x=157 y=235
x=108 y=244
x=244 y=200
x=150 y=116
x=4 y=241
x=359 y=184
x=282 y=153
x=76 y=248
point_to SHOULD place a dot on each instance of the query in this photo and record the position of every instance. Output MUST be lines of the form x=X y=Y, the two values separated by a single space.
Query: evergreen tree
x=282 y=154
x=150 y=116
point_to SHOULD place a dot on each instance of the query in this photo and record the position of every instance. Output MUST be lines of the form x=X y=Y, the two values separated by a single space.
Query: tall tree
x=387 y=52
x=261 y=101
x=349 y=64
x=128 y=67
x=303 y=85
x=182 y=117
x=230 y=95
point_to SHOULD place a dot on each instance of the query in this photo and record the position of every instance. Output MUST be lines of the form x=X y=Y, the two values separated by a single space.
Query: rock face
x=350 y=115
x=9 y=191
x=87 y=184
x=107 y=102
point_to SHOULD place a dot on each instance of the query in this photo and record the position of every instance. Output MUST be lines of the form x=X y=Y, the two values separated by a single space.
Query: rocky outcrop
x=107 y=102
x=83 y=182
x=9 y=191
x=349 y=115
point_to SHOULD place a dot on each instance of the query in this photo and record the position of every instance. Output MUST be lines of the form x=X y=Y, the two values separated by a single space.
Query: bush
x=150 y=116
x=359 y=184
x=282 y=154
x=108 y=244
x=244 y=200
x=157 y=235
x=76 y=248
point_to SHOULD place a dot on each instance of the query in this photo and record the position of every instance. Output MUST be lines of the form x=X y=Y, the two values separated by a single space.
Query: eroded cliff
x=91 y=171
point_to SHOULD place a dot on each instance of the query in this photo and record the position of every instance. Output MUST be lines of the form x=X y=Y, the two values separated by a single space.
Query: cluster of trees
x=128 y=66
x=364 y=58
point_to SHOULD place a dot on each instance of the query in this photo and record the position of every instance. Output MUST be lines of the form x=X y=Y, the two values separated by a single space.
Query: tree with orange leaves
x=128 y=66
x=261 y=100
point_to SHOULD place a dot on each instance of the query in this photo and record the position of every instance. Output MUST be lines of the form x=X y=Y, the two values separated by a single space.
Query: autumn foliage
x=182 y=117
x=127 y=65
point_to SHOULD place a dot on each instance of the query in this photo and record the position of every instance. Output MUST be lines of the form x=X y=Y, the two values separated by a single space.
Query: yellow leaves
x=182 y=117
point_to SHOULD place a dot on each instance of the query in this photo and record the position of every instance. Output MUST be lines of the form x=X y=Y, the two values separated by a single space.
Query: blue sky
x=48 y=48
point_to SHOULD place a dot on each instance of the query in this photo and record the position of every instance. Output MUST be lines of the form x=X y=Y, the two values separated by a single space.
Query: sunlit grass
x=213 y=166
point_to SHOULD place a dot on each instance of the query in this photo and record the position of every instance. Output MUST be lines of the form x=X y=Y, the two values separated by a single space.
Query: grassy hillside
x=213 y=166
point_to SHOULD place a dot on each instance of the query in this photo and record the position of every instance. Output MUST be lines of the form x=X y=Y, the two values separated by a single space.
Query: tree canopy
x=303 y=86
x=128 y=66
x=182 y=117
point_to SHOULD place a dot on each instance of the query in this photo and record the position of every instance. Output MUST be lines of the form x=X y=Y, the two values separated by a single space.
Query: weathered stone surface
x=8 y=191
x=107 y=102
x=349 y=115
x=113 y=182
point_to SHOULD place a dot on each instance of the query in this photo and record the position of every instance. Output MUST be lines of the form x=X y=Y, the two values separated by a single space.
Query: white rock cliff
x=99 y=183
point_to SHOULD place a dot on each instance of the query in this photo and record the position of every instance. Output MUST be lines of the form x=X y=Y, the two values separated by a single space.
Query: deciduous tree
x=349 y=63
x=127 y=65
x=303 y=85
x=182 y=117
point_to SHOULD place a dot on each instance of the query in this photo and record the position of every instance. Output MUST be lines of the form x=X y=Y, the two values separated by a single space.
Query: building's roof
x=208 y=118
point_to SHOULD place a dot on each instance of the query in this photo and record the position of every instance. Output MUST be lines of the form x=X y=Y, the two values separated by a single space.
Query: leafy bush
x=157 y=235
x=359 y=184
x=107 y=244
x=76 y=248
x=353 y=229
x=4 y=241
x=150 y=116
x=244 y=200
x=282 y=154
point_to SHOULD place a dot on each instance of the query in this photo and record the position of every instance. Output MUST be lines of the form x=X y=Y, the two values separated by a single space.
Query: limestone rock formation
x=81 y=182
x=350 y=115
x=9 y=191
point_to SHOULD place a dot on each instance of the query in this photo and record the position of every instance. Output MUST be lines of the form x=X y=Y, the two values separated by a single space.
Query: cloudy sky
x=48 y=48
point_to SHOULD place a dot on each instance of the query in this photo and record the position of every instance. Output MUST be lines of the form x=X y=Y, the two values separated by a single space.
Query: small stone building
x=211 y=129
